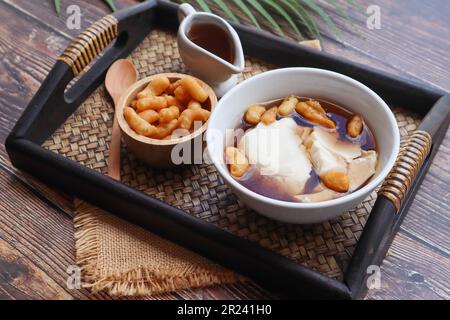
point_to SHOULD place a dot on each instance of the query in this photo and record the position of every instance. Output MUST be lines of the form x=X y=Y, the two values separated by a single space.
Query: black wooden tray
x=119 y=35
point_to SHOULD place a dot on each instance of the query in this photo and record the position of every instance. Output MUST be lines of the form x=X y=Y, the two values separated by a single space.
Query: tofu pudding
x=301 y=150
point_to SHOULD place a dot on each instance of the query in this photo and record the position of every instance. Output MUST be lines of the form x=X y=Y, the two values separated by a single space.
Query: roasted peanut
x=171 y=88
x=311 y=114
x=194 y=88
x=287 y=106
x=156 y=87
x=269 y=116
x=159 y=85
x=146 y=93
x=171 y=100
x=182 y=95
x=155 y=103
x=188 y=116
x=355 y=126
x=194 y=105
x=337 y=181
x=150 y=116
x=165 y=129
x=316 y=106
x=164 y=103
x=138 y=124
x=168 y=114
x=237 y=161
x=254 y=113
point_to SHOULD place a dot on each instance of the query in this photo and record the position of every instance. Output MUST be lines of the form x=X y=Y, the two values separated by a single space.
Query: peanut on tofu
x=314 y=115
x=254 y=113
x=270 y=116
x=237 y=161
x=316 y=106
x=287 y=106
x=355 y=126
x=337 y=181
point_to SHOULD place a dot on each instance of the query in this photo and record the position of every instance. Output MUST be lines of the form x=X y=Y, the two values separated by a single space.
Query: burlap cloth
x=126 y=260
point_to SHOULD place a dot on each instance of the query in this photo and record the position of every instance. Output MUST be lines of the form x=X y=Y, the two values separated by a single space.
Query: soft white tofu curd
x=277 y=151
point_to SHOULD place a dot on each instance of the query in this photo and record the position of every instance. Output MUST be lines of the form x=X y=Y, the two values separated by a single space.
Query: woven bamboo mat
x=199 y=190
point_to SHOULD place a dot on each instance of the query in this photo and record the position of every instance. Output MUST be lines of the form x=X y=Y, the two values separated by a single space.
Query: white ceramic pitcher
x=220 y=74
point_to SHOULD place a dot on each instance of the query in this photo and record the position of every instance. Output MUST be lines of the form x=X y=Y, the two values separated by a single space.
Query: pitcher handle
x=185 y=10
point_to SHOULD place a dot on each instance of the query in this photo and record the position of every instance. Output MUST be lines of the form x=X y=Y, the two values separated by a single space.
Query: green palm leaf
x=111 y=4
x=227 y=10
x=314 y=7
x=248 y=12
x=203 y=5
x=262 y=11
x=293 y=12
x=282 y=12
x=356 y=5
x=305 y=18
x=341 y=11
x=57 y=4
x=338 y=8
x=296 y=14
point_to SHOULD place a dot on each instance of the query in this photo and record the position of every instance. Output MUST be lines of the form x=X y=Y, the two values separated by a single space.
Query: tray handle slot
x=411 y=157
x=414 y=153
x=111 y=38
x=90 y=43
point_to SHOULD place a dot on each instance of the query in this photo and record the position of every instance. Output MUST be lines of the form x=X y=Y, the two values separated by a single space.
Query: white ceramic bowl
x=316 y=83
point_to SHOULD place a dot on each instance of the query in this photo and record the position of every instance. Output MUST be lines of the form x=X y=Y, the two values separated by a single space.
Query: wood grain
x=36 y=231
x=413 y=274
x=21 y=279
x=37 y=239
x=407 y=37
x=28 y=57
x=25 y=63
x=91 y=11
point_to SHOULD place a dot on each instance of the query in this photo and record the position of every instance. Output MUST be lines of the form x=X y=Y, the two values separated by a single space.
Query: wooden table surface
x=36 y=229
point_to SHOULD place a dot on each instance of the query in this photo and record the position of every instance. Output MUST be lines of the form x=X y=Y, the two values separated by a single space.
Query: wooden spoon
x=121 y=75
